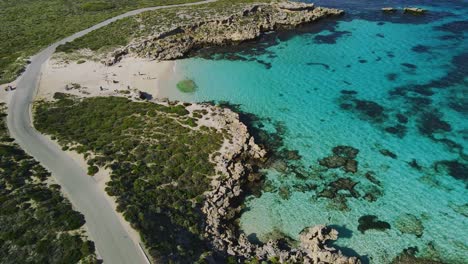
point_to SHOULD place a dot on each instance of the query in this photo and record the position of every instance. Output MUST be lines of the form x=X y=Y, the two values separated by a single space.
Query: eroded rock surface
x=248 y=24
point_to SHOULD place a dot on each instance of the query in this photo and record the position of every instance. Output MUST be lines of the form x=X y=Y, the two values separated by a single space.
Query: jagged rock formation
x=223 y=205
x=248 y=24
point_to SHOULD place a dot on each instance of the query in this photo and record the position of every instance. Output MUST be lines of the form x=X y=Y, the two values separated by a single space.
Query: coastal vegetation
x=29 y=25
x=37 y=224
x=159 y=159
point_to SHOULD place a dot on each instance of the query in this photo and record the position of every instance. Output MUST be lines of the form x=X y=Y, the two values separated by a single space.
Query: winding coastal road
x=111 y=239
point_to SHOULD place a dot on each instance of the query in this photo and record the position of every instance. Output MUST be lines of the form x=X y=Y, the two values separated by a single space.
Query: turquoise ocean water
x=395 y=87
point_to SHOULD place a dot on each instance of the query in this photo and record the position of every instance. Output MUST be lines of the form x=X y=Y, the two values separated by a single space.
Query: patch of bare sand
x=90 y=78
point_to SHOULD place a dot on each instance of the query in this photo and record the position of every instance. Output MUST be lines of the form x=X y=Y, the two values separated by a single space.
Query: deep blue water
x=394 y=87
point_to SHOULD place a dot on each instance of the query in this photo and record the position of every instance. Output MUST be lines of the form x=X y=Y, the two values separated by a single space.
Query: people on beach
x=10 y=88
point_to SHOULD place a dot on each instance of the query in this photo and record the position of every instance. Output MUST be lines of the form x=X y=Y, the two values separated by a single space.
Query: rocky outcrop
x=247 y=24
x=389 y=10
x=414 y=10
x=223 y=205
x=407 y=10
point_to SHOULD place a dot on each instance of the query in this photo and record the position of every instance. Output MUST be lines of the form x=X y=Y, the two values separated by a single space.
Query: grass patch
x=160 y=166
x=187 y=86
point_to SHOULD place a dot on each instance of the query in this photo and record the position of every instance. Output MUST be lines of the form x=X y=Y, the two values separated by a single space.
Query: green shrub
x=92 y=170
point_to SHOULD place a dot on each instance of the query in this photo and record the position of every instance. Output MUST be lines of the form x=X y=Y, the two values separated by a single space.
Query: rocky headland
x=245 y=24
x=223 y=205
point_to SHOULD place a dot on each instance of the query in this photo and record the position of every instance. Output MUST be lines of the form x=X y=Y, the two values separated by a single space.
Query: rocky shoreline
x=247 y=24
x=224 y=203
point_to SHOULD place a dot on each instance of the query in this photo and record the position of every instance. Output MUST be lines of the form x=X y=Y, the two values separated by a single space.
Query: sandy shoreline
x=91 y=78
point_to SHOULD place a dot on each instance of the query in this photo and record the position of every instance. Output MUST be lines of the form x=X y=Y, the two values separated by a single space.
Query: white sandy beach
x=96 y=79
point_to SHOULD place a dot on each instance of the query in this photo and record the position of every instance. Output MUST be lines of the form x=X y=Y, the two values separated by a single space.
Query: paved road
x=110 y=237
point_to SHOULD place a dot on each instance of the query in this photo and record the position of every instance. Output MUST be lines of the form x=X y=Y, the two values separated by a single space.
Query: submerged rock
x=351 y=166
x=368 y=222
x=409 y=224
x=408 y=257
x=345 y=151
x=402 y=118
x=343 y=184
x=348 y=92
x=369 y=108
x=371 y=177
x=415 y=165
x=388 y=153
x=343 y=157
x=454 y=168
x=398 y=130
x=333 y=162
